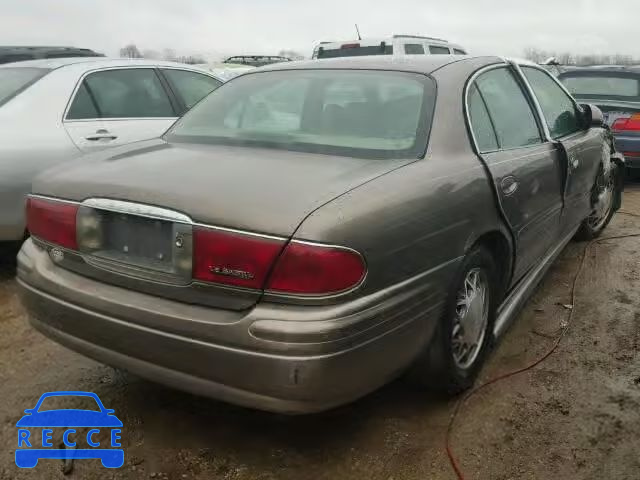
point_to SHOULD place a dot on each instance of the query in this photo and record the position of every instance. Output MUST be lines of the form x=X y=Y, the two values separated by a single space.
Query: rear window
x=355 y=50
x=15 y=80
x=602 y=86
x=368 y=114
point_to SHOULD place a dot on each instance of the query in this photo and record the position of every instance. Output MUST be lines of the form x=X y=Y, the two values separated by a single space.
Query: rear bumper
x=106 y=323
x=629 y=146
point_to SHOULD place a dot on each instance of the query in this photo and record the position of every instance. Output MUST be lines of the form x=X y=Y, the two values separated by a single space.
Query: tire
x=602 y=209
x=8 y=255
x=633 y=174
x=440 y=367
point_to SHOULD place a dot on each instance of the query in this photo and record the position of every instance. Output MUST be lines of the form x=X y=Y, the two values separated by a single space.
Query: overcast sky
x=219 y=27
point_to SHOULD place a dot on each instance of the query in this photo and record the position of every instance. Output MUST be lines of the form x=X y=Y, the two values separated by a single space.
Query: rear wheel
x=603 y=196
x=462 y=338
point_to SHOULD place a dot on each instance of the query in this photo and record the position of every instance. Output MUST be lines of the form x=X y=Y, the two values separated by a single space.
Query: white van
x=398 y=45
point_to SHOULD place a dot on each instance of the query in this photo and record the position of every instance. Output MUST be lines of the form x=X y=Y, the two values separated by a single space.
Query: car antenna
x=358 y=32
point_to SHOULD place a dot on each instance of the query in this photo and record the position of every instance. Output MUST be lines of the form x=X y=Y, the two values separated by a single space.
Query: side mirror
x=592 y=115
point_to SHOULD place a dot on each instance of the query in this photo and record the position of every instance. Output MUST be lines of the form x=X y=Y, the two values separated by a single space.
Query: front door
x=525 y=168
x=582 y=148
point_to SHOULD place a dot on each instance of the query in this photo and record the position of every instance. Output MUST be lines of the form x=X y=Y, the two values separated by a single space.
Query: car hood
x=261 y=190
x=69 y=418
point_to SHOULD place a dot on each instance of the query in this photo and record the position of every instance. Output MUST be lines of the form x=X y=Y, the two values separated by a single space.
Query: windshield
x=14 y=80
x=603 y=86
x=370 y=114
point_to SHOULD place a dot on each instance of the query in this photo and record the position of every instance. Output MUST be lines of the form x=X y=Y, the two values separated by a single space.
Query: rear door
x=525 y=168
x=117 y=106
x=582 y=148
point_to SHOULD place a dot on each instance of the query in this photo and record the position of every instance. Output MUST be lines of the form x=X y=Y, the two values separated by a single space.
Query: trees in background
x=566 y=58
x=292 y=54
x=130 y=51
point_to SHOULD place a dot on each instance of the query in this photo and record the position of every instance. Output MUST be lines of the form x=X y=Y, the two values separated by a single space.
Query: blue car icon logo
x=32 y=447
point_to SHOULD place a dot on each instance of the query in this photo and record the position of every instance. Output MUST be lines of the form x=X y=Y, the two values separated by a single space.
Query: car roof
x=95 y=62
x=415 y=63
x=390 y=39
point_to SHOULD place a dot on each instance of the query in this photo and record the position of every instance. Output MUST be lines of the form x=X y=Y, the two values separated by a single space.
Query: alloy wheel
x=603 y=193
x=471 y=318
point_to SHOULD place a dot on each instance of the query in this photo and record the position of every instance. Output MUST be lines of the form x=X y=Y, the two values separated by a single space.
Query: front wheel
x=603 y=199
x=461 y=340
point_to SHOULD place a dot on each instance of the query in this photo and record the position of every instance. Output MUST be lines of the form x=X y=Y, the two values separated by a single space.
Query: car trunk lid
x=612 y=109
x=139 y=207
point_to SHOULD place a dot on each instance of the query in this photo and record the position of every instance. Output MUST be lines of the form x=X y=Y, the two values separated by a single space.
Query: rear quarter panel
x=417 y=222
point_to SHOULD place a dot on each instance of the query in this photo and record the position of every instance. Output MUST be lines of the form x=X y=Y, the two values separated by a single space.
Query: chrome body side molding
x=511 y=306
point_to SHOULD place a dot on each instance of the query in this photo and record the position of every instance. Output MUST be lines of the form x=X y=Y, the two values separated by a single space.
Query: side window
x=191 y=86
x=437 y=50
x=481 y=124
x=558 y=108
x=509 y=109
x=82 y=106
x=457 y=51
x=128 y=93
x=413 y=49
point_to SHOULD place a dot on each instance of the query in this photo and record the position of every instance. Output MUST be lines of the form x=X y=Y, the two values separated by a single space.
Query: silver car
x=52 y=111
x=311 y=230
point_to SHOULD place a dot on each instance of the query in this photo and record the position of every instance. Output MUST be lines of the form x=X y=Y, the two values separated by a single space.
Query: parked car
x=396 y=46
x=19 y=54
x=225 y=71
x=616 y=91
x=256 y=60
x=310 y=231
x=53 y=111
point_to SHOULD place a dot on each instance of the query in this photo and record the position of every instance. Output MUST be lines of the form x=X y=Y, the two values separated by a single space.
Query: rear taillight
x=310 y=269
x=232 y=258
x=627 y=124
x=52 y=221
x=246 y=260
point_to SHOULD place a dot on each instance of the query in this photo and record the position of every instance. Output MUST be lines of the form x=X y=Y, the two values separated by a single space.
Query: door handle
x=101 y=134
x=509 y=185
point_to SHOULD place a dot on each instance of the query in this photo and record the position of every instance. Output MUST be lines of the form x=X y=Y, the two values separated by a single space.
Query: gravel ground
x=576 y=416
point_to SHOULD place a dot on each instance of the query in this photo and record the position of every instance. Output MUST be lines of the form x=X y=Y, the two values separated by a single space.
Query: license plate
x=135 y=245
x=138 y=240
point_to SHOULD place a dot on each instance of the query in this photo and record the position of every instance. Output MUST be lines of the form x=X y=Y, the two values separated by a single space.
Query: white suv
x=398 y=45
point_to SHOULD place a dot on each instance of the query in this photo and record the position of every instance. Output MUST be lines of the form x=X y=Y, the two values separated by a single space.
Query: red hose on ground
x=452 y=458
